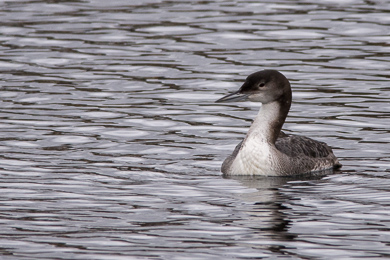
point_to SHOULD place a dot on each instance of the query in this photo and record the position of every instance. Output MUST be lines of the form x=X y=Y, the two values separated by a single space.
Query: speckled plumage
x=266 y=150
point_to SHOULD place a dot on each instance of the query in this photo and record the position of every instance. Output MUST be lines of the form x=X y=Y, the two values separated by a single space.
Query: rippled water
x=111 y=141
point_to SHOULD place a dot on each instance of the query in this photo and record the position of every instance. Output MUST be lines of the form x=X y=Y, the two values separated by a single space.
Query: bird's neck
x=269 y=121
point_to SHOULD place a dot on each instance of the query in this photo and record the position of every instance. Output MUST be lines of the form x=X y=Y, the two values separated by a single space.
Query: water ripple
x=111 y=142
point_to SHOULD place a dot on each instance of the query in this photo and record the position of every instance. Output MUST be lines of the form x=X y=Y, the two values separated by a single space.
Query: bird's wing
x=294 y=145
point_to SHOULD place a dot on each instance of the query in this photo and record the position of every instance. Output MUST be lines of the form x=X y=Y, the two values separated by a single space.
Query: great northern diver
x=266 y=150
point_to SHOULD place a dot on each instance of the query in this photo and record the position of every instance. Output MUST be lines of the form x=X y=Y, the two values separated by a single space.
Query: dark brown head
x=264 y=86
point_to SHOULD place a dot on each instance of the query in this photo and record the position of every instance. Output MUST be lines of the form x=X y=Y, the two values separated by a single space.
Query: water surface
x=111 y=143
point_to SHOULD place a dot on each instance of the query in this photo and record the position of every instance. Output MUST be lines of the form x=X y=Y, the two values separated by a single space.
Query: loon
x=266 y=150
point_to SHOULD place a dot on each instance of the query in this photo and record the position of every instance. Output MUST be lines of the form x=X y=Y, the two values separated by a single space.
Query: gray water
x=111 y=143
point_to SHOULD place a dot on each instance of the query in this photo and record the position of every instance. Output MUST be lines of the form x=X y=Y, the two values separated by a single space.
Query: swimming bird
x=266 y=150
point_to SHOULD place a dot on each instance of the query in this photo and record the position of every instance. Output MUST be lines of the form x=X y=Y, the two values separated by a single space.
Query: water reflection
x=266 y=215
x=268 y=211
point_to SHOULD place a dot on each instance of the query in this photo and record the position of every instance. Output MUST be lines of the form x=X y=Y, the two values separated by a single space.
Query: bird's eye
x=261 y=85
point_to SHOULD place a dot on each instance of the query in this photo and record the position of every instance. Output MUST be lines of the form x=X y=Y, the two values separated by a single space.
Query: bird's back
x=306 y=154
x=295 y=145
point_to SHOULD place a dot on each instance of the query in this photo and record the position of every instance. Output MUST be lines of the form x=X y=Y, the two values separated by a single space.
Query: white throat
x=256 y=155
x=262 y=126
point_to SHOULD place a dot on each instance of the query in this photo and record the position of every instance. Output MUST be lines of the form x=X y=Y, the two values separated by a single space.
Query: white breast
x=255 y=157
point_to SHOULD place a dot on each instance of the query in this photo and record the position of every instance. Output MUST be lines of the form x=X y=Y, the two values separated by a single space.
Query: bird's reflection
x=267 y=206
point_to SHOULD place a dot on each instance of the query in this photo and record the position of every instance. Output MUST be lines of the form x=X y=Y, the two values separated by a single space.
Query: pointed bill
x=233 y=97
